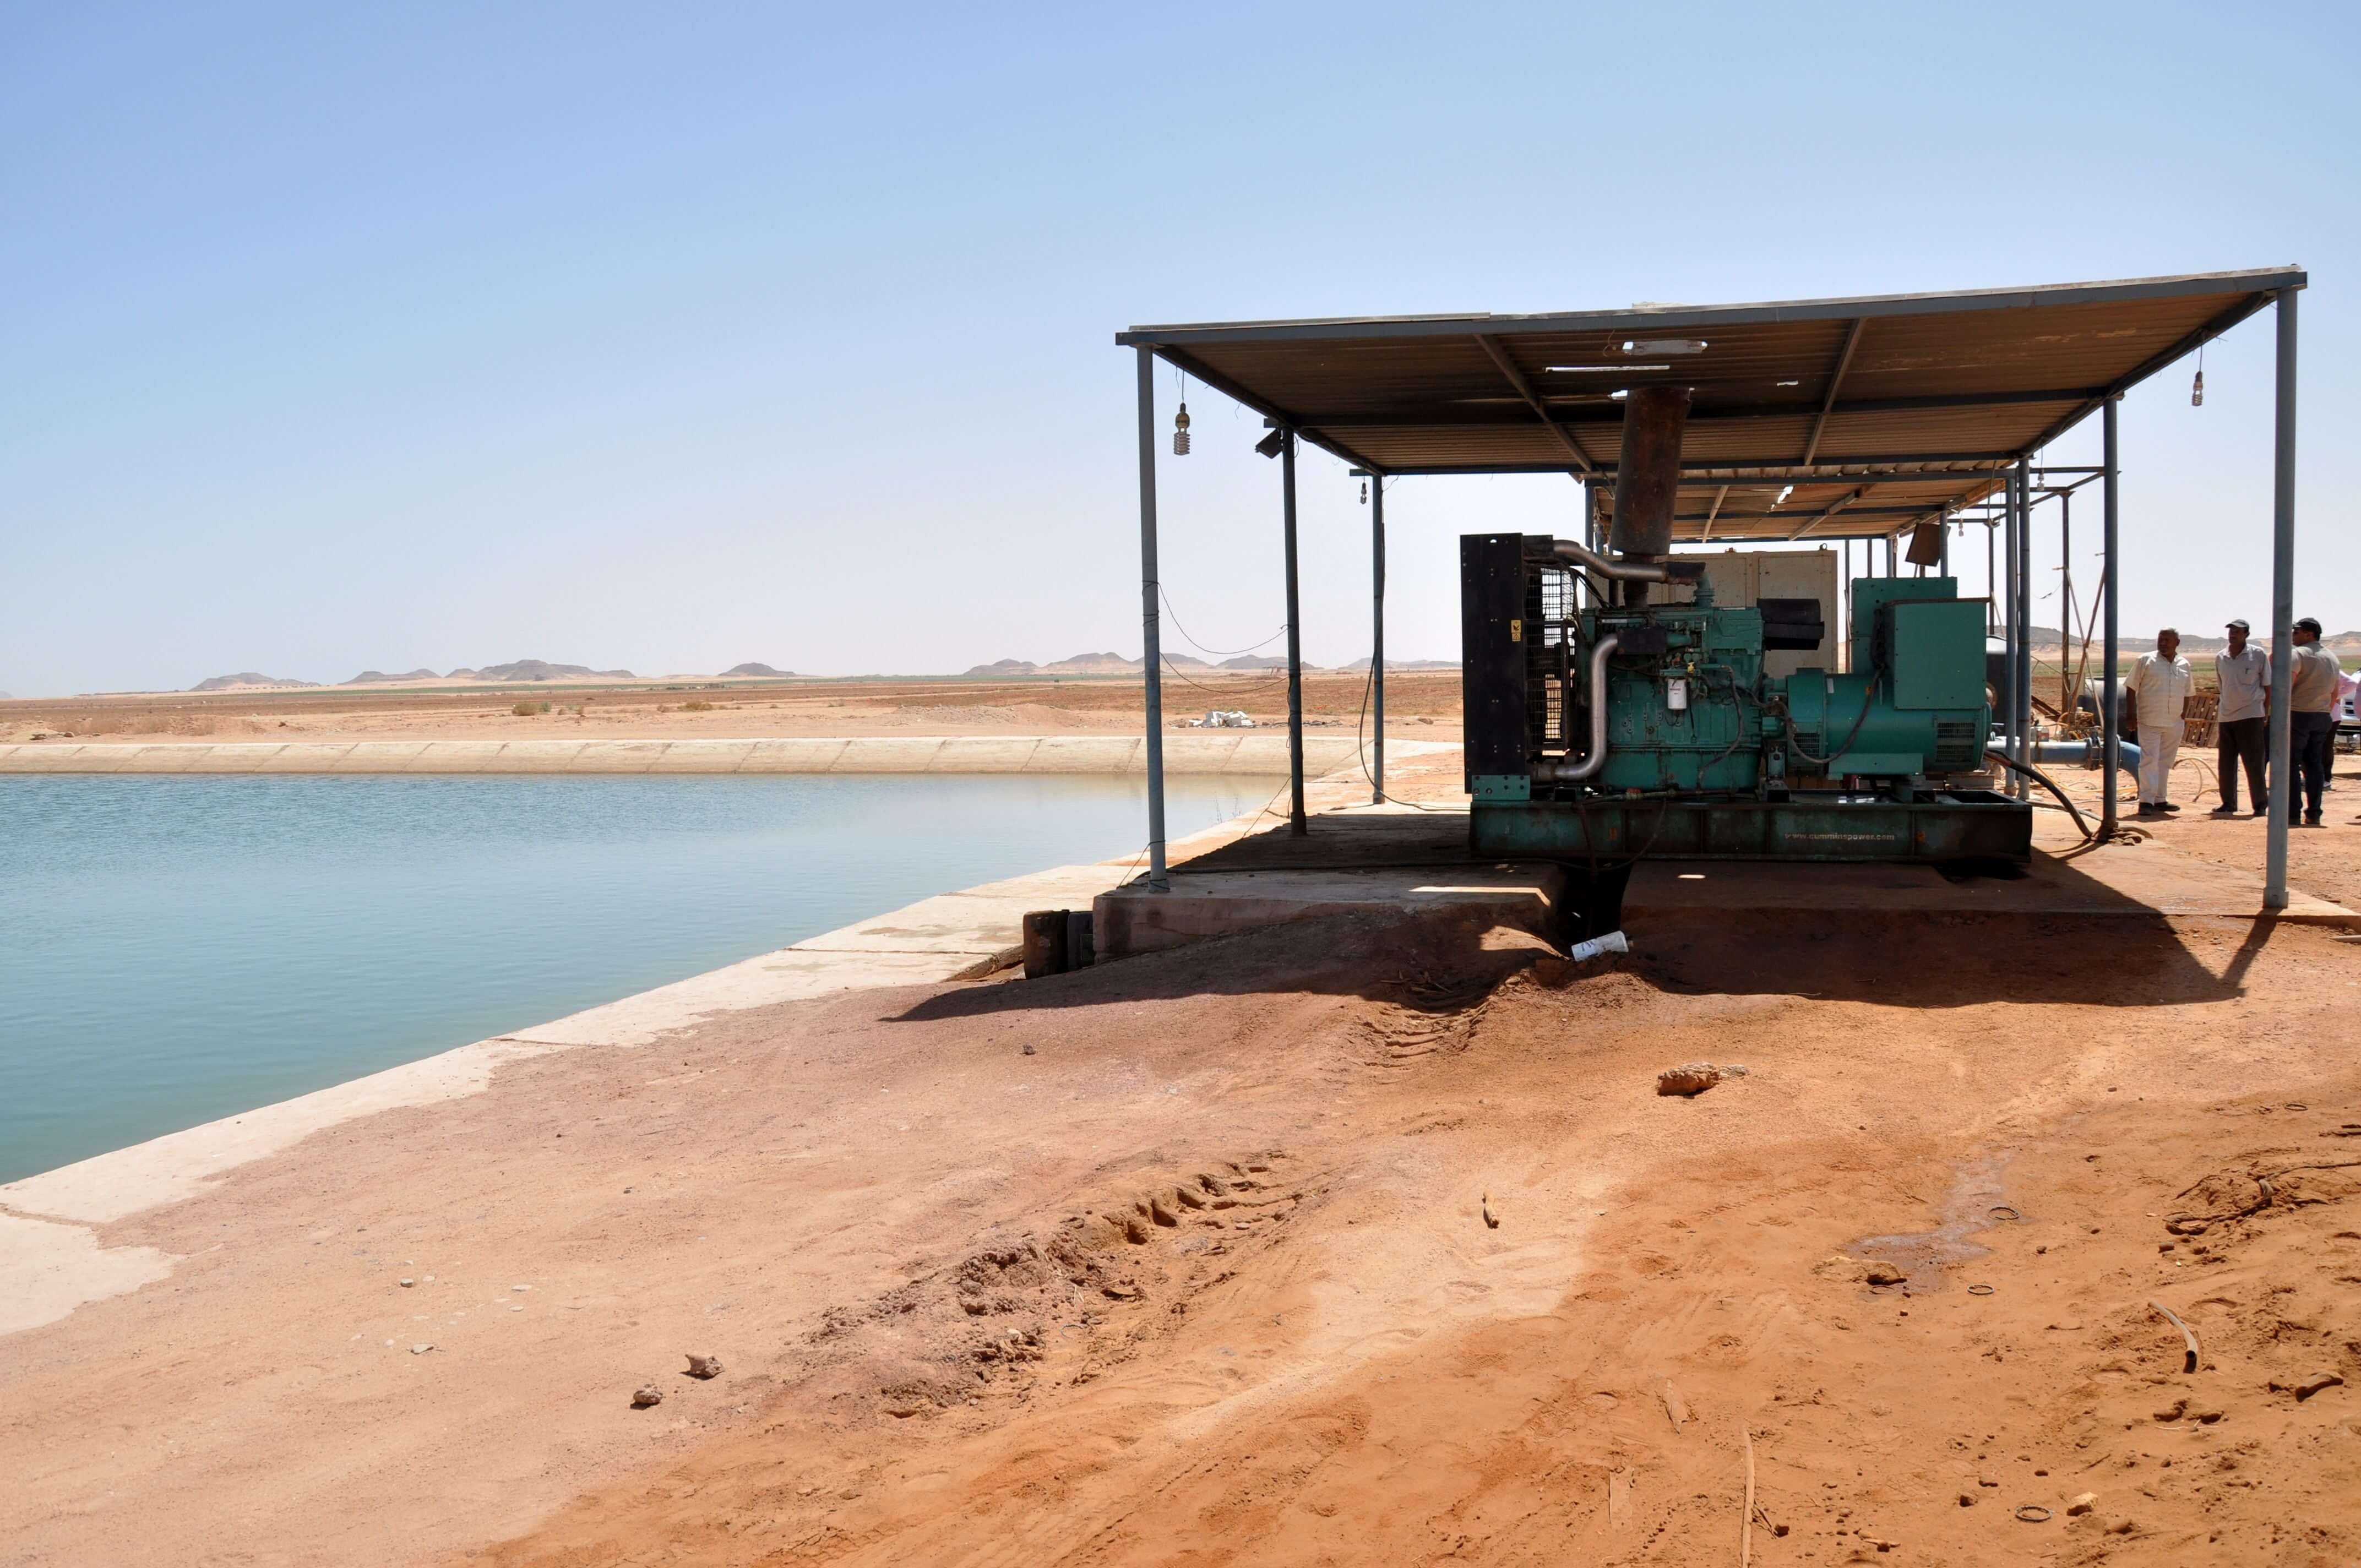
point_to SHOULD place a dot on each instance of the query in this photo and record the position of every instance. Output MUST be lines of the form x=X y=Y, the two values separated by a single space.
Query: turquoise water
x=178 y=949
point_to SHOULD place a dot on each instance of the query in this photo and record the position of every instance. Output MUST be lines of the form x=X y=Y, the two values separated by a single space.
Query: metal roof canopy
x=1811 y=418
x=1826 y=419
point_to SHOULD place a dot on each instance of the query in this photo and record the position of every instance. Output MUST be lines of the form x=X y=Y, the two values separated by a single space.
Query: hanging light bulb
x=1180 y=432
x=1365 y=492
x=2197 y=391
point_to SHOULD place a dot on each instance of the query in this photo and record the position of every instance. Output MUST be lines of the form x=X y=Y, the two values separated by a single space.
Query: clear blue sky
x=673 y=336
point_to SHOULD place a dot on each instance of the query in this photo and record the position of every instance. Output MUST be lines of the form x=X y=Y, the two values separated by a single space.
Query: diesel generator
x=1614 y=711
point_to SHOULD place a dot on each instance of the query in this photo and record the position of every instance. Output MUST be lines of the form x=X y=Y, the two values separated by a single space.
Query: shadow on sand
x=1911 y=958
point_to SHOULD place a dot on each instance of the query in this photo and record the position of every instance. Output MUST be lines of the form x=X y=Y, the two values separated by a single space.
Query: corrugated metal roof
x=1844 y=399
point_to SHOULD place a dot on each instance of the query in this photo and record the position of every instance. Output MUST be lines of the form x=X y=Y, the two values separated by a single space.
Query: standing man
x=2242 y=732
x=2312 y=677
x=2346 y=711
x=2159 y=689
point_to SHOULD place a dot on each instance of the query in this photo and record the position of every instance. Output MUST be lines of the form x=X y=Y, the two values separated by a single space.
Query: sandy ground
x=2324 y=860
x=1422 y=705
x=1343 y=1242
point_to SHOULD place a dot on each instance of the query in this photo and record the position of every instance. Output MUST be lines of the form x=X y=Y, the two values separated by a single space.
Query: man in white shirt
x=2159 y=687
x=2242 y=728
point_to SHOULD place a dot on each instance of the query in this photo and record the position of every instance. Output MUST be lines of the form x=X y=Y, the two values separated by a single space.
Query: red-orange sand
x=1206 y=1277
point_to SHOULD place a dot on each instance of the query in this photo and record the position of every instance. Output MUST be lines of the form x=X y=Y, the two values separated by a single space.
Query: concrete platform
x=1397 y=857
x=1131 y=920
x=2064 y=878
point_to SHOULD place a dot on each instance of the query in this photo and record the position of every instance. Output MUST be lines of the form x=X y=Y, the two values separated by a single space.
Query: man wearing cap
x=2159 y=687
x=2242 y=731
x=2312 y=675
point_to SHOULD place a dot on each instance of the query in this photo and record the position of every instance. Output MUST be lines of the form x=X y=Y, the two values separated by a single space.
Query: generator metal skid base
x=1949 y=825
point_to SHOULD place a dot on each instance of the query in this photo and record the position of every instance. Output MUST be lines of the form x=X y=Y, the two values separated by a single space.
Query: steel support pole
x=1377 y=632
x=1992 y=582
x=1152 y=652
x=2282 y=776
x=2109 y=576
x=1844 y=612
x=2023 y=624
x=2011 y=632
x=1297 y=823
x=2067 y=700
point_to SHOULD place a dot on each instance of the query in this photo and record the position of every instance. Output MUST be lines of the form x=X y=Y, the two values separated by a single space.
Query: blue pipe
x=2087 y=753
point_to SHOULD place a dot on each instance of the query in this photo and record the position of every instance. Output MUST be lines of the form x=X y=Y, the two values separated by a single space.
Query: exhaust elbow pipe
x=1548 y=770
x=1620 y=571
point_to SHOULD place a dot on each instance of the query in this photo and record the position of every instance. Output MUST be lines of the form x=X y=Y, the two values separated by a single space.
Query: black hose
x=2037 y=776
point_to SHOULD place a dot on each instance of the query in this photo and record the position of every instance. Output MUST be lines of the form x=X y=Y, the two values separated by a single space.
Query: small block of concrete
x=645 y=1395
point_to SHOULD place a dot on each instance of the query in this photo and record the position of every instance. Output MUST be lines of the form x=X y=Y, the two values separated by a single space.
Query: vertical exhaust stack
x=1647 y=478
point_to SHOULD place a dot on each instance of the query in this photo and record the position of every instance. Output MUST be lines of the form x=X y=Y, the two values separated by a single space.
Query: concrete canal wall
x=1185 y=751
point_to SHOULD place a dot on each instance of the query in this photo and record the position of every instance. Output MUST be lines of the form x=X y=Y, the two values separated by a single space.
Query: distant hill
x=1080 y=664
x=379 y=677
x=2045 y=642
x=753 y=669
x=542 y=670
x=1406 y=664
x=1092 y=664
x=248 y=679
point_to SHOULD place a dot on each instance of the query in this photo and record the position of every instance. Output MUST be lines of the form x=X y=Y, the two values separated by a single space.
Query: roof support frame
x=1189 y=365
x=1594 y=411
x=1583 y=462
x=1885 y=467
x=1834 y=507
x=1836 y=379
x=2245 y=307
x=2263 y=281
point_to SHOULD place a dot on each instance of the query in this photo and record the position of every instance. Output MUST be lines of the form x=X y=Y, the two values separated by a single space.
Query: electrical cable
x=1868 y=696
x=1219 y=652
x=1257 y=689
x=2089 y=834
x=1361 y=745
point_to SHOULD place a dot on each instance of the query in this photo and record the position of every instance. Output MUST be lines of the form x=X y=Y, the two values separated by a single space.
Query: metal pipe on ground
x=2092 y=752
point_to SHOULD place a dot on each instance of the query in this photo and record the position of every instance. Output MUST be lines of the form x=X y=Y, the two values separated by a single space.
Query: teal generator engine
x=1604 y=730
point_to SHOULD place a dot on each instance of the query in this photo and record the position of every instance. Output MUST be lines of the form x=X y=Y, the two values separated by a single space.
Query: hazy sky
x=672 y=336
